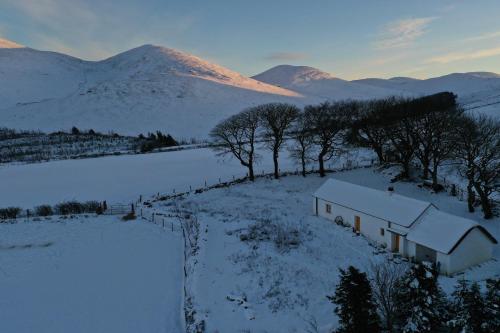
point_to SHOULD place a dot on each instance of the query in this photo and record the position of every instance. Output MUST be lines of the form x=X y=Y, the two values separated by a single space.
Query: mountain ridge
x=151 y=88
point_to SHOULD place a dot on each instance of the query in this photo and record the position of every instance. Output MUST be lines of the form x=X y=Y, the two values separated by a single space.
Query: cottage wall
x=370 y=225
x=474 y=249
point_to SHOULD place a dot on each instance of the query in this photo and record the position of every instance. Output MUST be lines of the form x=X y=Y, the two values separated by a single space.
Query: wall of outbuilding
x=474 y=249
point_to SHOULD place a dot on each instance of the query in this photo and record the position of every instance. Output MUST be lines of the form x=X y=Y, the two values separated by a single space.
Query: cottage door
x=396 y=243
x=357 y=223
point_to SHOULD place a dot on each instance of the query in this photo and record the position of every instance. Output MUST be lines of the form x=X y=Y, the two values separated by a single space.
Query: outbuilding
x=413 y=228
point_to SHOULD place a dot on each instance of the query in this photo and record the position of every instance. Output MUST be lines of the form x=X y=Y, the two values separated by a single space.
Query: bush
x=69 y=207
x=76 y=207
x=91 y=206
x=9 y=213
x=130 y=216
x=44 y=210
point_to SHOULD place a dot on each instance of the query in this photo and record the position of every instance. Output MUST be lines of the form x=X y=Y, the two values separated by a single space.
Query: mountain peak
x=288 y=75
x=7 y=44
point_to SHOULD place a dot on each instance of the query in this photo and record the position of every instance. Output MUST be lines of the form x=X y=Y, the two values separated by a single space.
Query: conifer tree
x=492 y=306
x=468 y=308
x=355 y=306
x=421 y=301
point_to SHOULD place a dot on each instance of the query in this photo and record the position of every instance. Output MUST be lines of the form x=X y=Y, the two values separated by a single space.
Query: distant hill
x=153 y=88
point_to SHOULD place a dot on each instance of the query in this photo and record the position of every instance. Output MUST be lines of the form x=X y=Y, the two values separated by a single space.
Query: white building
x=415 y=229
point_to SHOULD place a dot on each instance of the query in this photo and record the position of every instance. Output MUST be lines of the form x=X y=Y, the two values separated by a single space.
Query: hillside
x=145 y=89
x=313 y=82
x=152 y=88
x=478 y=91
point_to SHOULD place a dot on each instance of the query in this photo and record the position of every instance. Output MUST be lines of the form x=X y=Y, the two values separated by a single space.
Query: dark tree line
x=391 y=299
x=429 y=131
x=426 y=132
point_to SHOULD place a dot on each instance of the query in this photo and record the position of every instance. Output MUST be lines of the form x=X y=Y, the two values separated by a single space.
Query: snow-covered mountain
x=476 y=90
x=314 y=82
x=479 y=91
x=145 y=89
x=153 y=88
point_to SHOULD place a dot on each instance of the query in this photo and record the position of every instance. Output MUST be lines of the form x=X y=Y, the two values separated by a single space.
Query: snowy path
x=90 y=275
x=117 y=178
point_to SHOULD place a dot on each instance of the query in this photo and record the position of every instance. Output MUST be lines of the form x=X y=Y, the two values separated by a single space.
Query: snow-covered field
x=116 y=178
x=95 y=274
x=122 y=178
x=257 y=286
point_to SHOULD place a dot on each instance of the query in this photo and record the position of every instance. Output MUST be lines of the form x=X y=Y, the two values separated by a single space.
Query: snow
x=152 y=88
x=90 y=274
x=385 y=205
x=120 y=178
x=256 y=286
x=7 y=44
x=142 y=90
x=312 y=82
x=440 y=231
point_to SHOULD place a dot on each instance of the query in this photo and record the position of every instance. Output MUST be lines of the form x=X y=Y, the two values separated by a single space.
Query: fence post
x=163 y=223
x=172 y=224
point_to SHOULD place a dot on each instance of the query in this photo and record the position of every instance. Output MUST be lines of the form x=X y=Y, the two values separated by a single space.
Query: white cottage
x=413 y=228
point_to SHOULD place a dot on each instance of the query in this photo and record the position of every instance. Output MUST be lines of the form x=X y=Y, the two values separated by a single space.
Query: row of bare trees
x=426 y=131
x=431 y=131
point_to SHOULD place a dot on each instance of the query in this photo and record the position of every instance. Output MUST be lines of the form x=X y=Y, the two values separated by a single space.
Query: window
x=328 y=208
x=382 y=231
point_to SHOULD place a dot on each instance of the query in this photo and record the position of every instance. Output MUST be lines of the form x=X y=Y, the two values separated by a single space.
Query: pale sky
x=350 y=39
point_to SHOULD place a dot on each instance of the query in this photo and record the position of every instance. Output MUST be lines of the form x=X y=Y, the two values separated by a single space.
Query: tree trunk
x=406 y=169
x=425 y=169
x=276 y=168
x=485 y=202
x=434 y=176
x=471 y=197
x=321 y=166
x=303 y=160
x=251 y=176
x=380 y=154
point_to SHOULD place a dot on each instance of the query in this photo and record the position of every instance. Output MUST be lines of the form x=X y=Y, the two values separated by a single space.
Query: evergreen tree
x=421 y=302
x=492 y=306
x=355 y=306
x=468 y=308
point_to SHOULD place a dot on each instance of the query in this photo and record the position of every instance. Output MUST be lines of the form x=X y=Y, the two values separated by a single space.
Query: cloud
x=285 y=56
x=460 y=56
x=97 y=29
x=489 y=35
x=402 y=33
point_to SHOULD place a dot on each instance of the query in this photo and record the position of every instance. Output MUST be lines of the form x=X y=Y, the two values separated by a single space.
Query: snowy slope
x=7 y=44
x=313 y=82
x=145 y=89
x=476 y=90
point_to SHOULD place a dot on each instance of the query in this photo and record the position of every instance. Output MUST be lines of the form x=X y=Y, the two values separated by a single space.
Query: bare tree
x=302 y=142
x=434 y=119
x=327 y=122
x=384 y=279
x=369 y=126
x=276 y=119
x=399 y=128
x=236 y=135
x=479 y=149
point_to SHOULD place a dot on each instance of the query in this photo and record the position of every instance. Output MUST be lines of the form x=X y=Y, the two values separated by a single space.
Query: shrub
x=69 y=207
x=44 y=210
x=91 y=206
x=129 y=216
x=9 y=213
